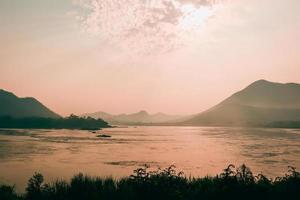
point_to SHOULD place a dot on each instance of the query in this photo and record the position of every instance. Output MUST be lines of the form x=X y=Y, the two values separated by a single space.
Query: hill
x=259 y=104
x=141 y=117
x=13 y=106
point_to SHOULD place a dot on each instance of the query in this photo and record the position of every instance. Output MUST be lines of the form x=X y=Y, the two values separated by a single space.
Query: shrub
x=167 y=184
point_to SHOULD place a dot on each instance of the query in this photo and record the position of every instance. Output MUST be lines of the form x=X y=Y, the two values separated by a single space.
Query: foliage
x=71 y=122
x=8 y=192
x=166 y=184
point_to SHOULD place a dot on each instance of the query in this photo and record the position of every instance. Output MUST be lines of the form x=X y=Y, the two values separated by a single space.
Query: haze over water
x=171 y=68
x=171 y=56
x=197 y=151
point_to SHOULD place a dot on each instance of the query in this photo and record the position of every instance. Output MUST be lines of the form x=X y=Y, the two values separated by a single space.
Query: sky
x=123 y=56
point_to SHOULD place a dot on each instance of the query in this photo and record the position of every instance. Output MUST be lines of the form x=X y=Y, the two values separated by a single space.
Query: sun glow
x=193 y=18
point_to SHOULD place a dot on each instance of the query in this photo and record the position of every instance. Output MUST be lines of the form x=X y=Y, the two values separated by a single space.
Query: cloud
x=200 y=2
x=146 y=26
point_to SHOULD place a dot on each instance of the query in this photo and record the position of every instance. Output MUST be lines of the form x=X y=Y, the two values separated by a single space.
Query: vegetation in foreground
x=71 y=122
x=166 y=184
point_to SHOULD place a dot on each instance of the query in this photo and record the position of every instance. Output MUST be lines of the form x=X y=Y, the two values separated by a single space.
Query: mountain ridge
x=141 y=117
x=14 y=106
x=260 y=103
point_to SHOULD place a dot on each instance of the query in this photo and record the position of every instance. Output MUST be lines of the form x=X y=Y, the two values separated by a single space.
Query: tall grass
x=166 y=184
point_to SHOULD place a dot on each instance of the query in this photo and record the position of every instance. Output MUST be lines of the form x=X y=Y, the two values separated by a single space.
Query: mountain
x=259 y=104
x=141 y=117
x=97 y=115
x=11 y=105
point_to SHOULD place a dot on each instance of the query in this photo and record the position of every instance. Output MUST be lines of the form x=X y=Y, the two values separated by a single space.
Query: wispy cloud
x=144 y=25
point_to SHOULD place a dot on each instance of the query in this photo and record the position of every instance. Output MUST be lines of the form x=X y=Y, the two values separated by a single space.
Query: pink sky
x=178 y=57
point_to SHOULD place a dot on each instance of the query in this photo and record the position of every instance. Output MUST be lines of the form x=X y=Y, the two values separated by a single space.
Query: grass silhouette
x=165 y=184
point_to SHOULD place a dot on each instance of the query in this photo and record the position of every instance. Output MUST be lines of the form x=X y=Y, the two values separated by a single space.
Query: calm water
x=195 y=150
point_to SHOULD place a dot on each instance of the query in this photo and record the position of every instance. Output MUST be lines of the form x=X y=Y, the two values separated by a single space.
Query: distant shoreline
x=279 y=124
x=71 y=122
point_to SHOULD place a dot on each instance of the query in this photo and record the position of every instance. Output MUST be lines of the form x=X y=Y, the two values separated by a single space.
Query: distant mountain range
x=13 y=106
x=262 y=103
x=259 y=104
x=141 y=117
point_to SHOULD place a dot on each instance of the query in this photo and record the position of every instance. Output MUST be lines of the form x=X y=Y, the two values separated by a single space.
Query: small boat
x=103 y=136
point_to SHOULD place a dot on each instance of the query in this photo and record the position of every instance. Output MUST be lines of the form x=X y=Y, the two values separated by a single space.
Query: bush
x=167 y=184
x=8 y=192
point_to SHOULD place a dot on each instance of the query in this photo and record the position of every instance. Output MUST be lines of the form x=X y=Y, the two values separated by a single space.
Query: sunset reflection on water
x=197 y=151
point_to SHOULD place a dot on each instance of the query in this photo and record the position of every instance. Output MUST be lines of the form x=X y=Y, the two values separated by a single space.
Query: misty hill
x=141 y=117
x=259 y=104
x=13 y=106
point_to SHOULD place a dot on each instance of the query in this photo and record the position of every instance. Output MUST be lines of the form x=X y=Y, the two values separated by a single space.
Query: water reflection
x=196 y=150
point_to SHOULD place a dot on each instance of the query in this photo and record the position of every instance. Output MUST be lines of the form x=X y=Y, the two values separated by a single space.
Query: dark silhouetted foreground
x=71 y=122
x=164 y=184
